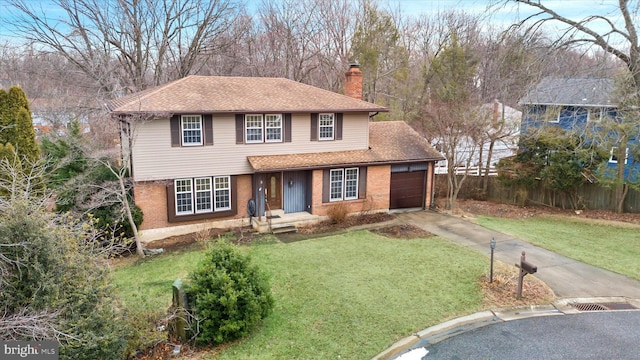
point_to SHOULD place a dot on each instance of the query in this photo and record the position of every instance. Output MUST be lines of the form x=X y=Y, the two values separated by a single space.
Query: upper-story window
x=326 y=126
x=600 y=113
x=273 y=127
x=263 y=128
x=191 y=128
x=613 y=159
x=552 y=114
x=253 y=128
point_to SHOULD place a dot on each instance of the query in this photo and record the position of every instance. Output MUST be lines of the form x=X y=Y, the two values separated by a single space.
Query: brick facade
x=151 y=197
x=377 y=194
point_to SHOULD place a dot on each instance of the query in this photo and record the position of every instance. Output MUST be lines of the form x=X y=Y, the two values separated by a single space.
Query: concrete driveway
x=536 y=332
x=566 y=277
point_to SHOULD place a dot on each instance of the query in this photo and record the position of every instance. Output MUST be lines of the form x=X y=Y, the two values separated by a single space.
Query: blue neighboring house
x=579 y=104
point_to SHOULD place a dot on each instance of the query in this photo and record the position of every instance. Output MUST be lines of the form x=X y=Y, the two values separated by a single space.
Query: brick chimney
x=353 y=82
x=496 y=112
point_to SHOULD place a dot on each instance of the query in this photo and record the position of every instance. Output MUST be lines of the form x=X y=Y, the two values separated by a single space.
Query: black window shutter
x=314 y=127
x=175 y=130
x=171 y=202
x=325 y=185
x=362 y=183
x=208 y=129
x=239 y=129
x=287 y=127
x=338 y=126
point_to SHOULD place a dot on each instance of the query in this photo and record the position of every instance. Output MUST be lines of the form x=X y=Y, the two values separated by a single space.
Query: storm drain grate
x=603 y=307
x=590 y=307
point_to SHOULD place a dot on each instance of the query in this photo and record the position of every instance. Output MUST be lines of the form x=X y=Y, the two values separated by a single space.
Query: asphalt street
x=590 y=335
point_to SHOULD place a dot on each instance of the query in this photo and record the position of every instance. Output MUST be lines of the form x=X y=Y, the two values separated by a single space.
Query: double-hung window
x=263 y=128
x=191 y=130
x=343 y=184
x=351 y=183
x=184 y=199
x=600 y=114
x=202 y=195
x=222 y=192
x=253 y=128
x=553 y=114
x=326 y=126
x=613 y=159
x=273 y=127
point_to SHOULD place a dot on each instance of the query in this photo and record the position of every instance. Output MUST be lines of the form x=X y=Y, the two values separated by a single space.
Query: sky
x=501 y=17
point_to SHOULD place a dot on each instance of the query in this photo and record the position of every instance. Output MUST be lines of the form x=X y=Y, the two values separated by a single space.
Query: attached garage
x=408 y=186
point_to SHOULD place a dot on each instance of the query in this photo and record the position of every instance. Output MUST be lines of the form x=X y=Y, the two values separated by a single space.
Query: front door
x=273 y=192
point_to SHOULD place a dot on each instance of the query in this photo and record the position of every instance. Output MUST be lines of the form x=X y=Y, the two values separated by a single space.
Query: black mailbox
x=528 y=267
x=525 y=268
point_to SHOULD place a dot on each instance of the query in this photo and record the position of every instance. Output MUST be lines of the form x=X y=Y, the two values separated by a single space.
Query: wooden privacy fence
x=589 y=196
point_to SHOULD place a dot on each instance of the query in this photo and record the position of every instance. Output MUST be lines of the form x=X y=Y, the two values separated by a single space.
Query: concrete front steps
x=279 y=222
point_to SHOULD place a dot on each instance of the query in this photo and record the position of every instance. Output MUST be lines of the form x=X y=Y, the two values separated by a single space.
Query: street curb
x=457 y=326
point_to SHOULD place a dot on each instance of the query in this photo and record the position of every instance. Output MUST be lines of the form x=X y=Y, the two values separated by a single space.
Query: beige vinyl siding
x=155 y=159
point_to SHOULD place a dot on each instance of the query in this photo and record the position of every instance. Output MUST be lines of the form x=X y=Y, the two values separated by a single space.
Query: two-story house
x=215 y=151
x=584 y=105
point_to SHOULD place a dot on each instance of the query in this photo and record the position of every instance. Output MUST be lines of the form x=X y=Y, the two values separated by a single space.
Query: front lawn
x=346 y=296
x=611 y=246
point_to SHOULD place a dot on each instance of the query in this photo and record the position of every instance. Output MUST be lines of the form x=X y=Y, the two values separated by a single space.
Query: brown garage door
x=407 y=189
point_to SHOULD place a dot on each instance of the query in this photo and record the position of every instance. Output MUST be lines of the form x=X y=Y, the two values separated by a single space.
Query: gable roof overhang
x=392 y=142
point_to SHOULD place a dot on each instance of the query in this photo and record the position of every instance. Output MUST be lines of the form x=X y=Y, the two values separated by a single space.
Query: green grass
x=145 y=285
x=345 y=296
x=613 y=247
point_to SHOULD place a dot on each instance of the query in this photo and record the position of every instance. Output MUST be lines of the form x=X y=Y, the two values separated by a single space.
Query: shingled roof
x=572 y=91
x=389 y=142
x=221 y=94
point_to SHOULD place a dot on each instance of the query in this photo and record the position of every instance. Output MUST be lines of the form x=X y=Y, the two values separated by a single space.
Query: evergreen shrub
x=228 y=296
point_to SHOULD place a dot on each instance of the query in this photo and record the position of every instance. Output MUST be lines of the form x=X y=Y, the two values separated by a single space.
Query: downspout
x=425 y=192
x=432 y=191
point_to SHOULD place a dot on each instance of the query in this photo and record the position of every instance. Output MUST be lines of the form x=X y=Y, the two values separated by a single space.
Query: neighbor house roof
x=221 y=94
x=572 y=91
x=389 y=142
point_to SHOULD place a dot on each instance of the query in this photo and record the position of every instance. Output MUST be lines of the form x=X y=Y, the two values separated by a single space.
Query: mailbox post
x=525 y=268
x=492 y=245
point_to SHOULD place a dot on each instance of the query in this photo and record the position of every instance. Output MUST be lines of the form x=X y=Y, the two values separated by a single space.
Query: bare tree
x=127 y=45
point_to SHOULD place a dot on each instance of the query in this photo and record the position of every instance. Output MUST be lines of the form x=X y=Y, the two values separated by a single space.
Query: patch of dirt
x=402 y=231
x=348 y=222
x=472 y=208
x=503 y=290
x=240 y=236
x=329 y=227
